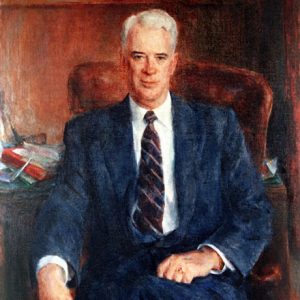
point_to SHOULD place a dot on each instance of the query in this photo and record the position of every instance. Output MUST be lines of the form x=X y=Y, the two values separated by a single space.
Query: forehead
x=145 y=39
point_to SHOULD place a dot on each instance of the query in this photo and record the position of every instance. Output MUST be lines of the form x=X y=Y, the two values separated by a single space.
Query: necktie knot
x=150 y=117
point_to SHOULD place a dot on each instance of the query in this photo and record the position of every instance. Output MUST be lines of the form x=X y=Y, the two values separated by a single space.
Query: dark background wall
x=41 y=43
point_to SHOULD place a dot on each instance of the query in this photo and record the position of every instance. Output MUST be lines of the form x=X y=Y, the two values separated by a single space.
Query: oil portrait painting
x=150 y=149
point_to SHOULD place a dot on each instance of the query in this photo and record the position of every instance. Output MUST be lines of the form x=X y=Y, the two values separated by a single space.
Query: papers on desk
x=44 y=160
x=270 y=173
x=2 y=166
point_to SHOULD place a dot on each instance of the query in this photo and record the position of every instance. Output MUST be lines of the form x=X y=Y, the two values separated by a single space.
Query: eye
x=161 y=57
x=137 y=57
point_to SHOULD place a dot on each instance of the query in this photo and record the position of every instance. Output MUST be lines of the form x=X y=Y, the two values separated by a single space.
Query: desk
x=18 y=209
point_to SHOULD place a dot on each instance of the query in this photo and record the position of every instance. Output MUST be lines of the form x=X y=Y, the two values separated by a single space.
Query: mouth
x=149 y=84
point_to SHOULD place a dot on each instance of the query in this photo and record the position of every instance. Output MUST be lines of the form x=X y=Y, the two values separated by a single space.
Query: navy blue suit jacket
x=220 y=196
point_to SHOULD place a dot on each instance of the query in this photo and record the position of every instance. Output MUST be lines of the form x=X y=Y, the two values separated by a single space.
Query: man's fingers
x=173 y=269
x=187 y=278
x=68 y=296
x=185 y=267
x=58 y=294
x=162 y=267
x=177 y=276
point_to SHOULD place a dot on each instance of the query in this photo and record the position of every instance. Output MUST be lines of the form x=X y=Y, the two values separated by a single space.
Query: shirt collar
x=163 y=112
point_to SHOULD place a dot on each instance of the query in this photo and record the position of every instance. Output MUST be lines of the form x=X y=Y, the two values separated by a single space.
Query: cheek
x=132 y=74
x=166 y=74
x=135 y=73
x=171 y=69
x=134 y=80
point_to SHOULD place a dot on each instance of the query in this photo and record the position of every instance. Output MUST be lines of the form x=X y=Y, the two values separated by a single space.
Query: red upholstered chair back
x=99 y=84
x=247 y=92
x=94 y=85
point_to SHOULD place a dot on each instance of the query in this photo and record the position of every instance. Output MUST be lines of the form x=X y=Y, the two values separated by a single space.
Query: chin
x=149 y=96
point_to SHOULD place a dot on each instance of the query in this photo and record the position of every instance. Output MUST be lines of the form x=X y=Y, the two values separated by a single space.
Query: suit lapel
x=189 y=135
x=118 y=150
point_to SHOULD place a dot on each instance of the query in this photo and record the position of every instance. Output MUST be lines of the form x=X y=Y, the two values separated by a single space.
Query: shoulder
x=93 y=120
x=209 y=113
x=90 y=124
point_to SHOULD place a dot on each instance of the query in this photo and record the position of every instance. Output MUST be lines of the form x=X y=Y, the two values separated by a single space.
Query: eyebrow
x=136 y=52
x=162 y=54
x=143 y=53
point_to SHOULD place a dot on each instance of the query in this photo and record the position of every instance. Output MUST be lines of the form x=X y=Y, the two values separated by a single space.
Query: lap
x=135 y=279
x=208 y=288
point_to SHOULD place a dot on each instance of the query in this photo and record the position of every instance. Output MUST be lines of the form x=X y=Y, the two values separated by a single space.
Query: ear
x=123 y=64
x=174 y=63
x=122 y=58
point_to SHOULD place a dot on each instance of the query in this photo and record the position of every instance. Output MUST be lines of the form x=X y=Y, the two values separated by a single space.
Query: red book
x=15 y=160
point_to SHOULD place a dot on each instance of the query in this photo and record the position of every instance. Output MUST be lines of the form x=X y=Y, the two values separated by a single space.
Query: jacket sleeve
x=246 y=229
x=62 y=222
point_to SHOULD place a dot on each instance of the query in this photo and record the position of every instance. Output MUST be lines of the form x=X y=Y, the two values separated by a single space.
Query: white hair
x=152 y=18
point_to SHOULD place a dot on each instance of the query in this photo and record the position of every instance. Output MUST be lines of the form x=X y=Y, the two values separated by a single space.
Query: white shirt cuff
x=53 y=259
x=227 y=263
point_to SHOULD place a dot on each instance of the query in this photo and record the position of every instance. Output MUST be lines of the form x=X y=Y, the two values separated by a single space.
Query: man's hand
x=51 y=284
x=184 y=267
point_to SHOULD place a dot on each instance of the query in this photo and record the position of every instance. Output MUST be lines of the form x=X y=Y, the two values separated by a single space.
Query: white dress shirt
x=164 y=128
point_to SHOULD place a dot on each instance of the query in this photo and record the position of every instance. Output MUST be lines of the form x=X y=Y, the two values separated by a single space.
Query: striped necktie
x=149 y=211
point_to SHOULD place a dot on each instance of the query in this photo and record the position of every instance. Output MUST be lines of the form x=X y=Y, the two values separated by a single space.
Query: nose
x=150 y=66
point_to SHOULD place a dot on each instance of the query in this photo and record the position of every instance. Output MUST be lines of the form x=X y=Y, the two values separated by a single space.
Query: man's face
x=150 y=63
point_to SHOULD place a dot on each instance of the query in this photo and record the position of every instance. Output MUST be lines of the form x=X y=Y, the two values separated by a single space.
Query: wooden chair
x=95 y=85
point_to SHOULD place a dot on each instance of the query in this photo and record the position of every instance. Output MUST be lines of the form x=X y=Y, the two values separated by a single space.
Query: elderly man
x=164 y=189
